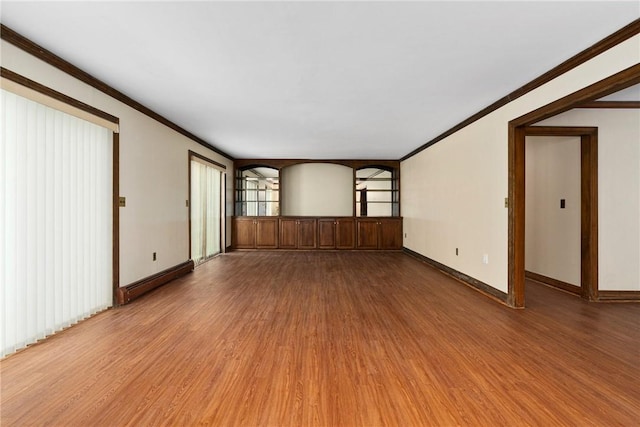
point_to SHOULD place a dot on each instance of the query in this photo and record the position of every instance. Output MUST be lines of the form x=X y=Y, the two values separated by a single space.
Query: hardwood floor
x=332 y=339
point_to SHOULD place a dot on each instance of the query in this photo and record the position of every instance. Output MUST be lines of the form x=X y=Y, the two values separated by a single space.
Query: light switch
x=122 y=202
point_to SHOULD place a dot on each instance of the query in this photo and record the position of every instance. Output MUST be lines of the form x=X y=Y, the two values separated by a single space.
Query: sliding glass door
x=206 y=210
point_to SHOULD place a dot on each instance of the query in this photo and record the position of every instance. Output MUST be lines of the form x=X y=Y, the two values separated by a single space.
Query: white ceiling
x=317 y=79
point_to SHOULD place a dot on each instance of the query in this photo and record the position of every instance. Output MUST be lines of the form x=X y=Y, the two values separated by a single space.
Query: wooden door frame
x=588 y=200
x=516 y=154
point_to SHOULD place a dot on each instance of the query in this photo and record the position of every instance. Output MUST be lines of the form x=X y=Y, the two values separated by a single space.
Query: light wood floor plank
x=332 y=339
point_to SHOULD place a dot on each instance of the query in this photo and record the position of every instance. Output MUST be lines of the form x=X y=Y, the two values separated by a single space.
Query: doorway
x=588 y=212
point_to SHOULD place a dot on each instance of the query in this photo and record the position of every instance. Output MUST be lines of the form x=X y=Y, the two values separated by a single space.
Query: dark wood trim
x=33 y=85
x=603 y=45
x=189 y=200
x=353 y=196
x=619 y=296
x=604 y=87
x=115 y=207
x=568 y=287
x=610 y=104
x=589 y=214
x=516 y=209
x=223 y=224
x=516 y=149
x=54 y=60
x=560 y=130
x=206 y=159
x=222 y=198
x=282 y=163
x=476 y=284
x=128 y=293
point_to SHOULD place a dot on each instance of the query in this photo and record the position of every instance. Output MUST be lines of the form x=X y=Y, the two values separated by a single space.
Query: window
x=56 y=219
x=377 y=192
x=257 y=192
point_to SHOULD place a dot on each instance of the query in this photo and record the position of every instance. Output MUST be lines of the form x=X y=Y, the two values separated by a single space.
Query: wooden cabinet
x=367 y=233
x=336 y=233
x=379 y=233
x=244 y=233
x=255 y=233
x=297 y=233
x=326 y=233
x=266 y=233
x=390 y=237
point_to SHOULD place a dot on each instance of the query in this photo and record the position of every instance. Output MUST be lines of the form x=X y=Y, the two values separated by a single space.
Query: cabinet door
x=307 y=233
x=390 y=233
x=244 y=233
x=345 y=233
x=267 y=233
x=326 y=233
x=288 y=233
x=367 y=233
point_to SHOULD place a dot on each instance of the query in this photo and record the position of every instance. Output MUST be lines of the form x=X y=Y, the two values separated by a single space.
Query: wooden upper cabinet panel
x=288 y=234
x=390 y=233
x=345 y=233
x=244 y=233
x=367 y=234
x=267 y=233
x=326 y=233
x=306 y=234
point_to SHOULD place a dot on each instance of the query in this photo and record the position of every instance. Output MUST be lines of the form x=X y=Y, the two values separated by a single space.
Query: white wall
x=317 y=189
x=153 y=173
x=618 y=192
x=453 y=193
x=552 y=234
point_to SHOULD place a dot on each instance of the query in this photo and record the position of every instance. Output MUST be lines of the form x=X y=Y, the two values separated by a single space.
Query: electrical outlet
x=122 y=201
x=154 y=256
x=405 y=235
x=485 y=259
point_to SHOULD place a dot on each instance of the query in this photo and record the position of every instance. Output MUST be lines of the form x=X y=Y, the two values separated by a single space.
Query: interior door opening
x=588 y=139
x=554 y=206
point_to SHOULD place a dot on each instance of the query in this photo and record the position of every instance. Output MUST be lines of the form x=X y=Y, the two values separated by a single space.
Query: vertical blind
x=205 y=211
x=55 y=220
